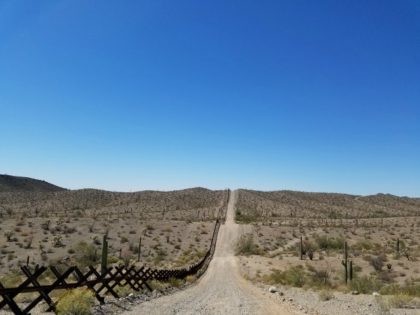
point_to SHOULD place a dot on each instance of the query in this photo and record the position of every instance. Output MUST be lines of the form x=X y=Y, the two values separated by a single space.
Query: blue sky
x=132 y=95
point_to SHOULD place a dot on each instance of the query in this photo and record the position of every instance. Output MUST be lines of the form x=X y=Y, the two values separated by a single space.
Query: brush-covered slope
x=258 y=205
x=188 y=204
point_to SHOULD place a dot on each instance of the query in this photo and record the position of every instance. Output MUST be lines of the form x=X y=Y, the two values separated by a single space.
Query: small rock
x=290 y=300
x=272 y=290
x=355 y=292
x=281 y=293
x=376 y=294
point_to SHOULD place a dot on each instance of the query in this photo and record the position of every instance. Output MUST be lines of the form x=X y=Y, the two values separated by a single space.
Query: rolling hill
x=10 y=183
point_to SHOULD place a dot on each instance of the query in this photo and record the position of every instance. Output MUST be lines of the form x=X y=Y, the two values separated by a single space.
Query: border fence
x=103 y=282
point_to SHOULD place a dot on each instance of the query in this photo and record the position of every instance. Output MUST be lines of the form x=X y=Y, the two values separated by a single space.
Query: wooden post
x=398 y=247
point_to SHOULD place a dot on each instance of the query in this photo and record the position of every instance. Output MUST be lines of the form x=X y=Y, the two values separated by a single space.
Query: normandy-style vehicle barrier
x=102 y=282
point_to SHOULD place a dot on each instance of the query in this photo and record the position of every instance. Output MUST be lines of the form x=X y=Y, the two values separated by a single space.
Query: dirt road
x=221 y=290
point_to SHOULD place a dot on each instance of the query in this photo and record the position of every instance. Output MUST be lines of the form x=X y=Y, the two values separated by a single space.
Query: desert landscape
x=42 y=224
x=382 y=233
x=210 y=157
x=298 y=252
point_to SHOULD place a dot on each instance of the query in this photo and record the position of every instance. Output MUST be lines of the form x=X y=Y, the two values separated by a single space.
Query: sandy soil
x=221 y=290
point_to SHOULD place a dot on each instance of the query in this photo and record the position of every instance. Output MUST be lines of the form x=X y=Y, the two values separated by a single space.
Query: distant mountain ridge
x=9 y=183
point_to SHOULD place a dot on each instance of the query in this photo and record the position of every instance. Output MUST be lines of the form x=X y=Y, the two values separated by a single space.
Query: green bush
x=365 y=245
x=245 y=218
x=294 y=276
x=410 y=288
x=329 y=243
x=399 y=301
x=76 y=302
x=123 y=290
x=86 y=254
x=11 y=280
x=366 y=284
x=246 y=246
x=174 y=282
x=158 y=285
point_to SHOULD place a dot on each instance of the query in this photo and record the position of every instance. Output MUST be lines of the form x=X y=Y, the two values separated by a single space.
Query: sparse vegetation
x=382 y=242
x=55 y=223
x=76 y=302
x=246 y=246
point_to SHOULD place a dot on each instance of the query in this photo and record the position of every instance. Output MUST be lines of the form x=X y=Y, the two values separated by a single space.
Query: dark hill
x=10 y=183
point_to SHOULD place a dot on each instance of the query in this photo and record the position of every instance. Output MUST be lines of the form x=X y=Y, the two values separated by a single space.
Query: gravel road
x=221 y=290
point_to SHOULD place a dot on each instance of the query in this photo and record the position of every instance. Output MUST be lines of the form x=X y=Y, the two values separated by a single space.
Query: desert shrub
x=160 y=256
x=174 y=282
x=319 y=277
x=189 y=256
x=13 y=279
x=244 y=217
x=294 y=276
x=329 y=243
x=410 y=288
x=399 y=301
x=325 y=295
x=75 y=302
x=246 y=246
x=158 y=285
x=191 y=279
x=377 y=262
x=86 y=254
x=364 y=245
x=123 y=290
x=366 y=284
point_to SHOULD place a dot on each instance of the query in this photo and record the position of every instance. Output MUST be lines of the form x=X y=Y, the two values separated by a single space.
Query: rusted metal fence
x=101 y=283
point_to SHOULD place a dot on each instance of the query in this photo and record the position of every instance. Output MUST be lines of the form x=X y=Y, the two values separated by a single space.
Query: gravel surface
x=308 y=301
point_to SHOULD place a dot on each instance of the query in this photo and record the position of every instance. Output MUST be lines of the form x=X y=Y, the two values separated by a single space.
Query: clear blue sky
x=132 y=95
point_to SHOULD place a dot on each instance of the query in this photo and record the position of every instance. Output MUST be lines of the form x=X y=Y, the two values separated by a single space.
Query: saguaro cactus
x=104 y=260
x=301 y=248
x=345 y=263
x=139 y=250
x=398 y=247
